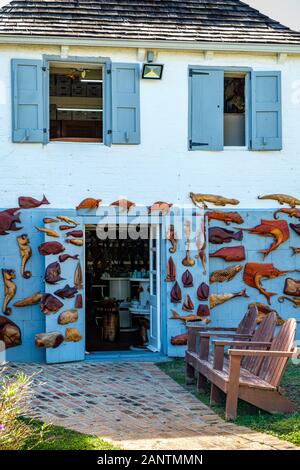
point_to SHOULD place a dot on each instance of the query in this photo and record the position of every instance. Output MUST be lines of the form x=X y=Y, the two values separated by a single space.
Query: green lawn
x=282 y=426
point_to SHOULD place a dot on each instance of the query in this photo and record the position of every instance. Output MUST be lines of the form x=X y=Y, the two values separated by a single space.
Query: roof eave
x=147 y=44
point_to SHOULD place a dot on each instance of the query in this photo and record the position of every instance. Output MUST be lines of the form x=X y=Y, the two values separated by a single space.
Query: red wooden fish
x=160 y=206
x=53 y=272
x=278 y=229
x=219 y=235
x=66 y=227
x=226 y=217
x=203 y=310
x=176 y=296
x=180 y=340
x=50 y=304
x=235 y=253
x=64 y=257
x=203 y=291
x=51 y=248
x=78 y=301
x=31 y=203
x=75 y=234
x=67 y=292
x=171 y=271
x=123 y=204
x=187 y=279
x=89 y=204
x=8 y=221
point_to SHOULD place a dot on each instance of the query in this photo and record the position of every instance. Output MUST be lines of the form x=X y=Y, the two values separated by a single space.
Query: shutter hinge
x=44 y=69
x=197 y=144
x=109 y=132
x=108 y=71
x=45 y=130
x=197 y=72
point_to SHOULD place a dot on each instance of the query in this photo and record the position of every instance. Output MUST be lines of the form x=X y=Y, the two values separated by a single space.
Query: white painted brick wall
x=161 y=167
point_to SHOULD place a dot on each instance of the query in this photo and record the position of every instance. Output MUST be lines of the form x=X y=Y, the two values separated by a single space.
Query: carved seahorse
x=10 y=289
x=25 y=252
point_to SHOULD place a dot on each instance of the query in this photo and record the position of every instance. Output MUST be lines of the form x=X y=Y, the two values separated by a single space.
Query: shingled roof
x=223 y=21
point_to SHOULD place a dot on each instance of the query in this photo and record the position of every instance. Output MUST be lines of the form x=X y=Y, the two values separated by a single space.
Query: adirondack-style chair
x=255 y=381
x=244 y=331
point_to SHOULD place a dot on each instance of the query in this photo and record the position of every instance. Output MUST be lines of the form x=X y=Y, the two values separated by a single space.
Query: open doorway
x=122 y=290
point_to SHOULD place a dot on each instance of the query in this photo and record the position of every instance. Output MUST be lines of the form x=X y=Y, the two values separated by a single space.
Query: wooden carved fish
x=32 y=300
x=10 y=289
x=187 y=279
x=26 y=253
x=10 y=333
x=278 y=229
x=203 y=310
x=226 y=217
x=203 y=292
x=172 y=237
x=290 y=212
x=72 y=334
x=235 y=253
x=179 y=340
x=48 y=220
x=123 y=204
x=48 y=231
x=51 y=248
x=66 y=227
x=213 y=199
x=219 y=299
x=218 y=235
x=89 y=203
x=292 y=287
x=75 y=234
x=78 y=301
x=201 y=244
x=50 y=304
x=184 y=318
x=31 y=203
x=160 y=206
x=53 y=272
x=296 y=228
x=176 y=295
x=67 y=220
x=9 y=220
x=188 y=305
x=78 y=277
x=68 y=316
x=67 y=292
x=254 y=273
x=263 y=311
x=49 y=340
x=294 y=300
x=282 y=199
x=225 y=275
x=76 y=242
x=296 y=251
x=171 y=271
x=64 y=257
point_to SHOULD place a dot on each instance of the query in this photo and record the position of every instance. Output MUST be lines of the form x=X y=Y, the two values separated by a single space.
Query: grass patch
x=283 y=426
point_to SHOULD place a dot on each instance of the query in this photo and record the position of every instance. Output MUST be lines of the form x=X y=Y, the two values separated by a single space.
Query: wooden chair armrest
x=241 y=343
x=208 y=328
x=221 y=335
x=255 y=352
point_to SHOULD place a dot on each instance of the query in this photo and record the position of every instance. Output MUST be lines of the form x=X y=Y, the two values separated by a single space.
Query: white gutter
x=132 y=43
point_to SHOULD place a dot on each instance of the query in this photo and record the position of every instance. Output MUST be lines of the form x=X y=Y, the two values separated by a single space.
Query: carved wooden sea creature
x=278 y=229
x=235 y=253
x=9 y=220
x=161 y=207
x=296 y=228
x=212 y=199
x=78 y=277
x=187 y=279
x=290 y=212
x=31 y=203
x=188 y=305
x=51 y=248
x=172 y=237
x=171 y=271
x=32 y=300
x=63 y=228
x=203 y=310
x=294 y=300
x=48 y=231
x=254 y=273
x=225 y=275
x=179 y=340
x=64 y=257
x=75 y=234
x=123 y=204
x=219 y=299
x=185 y=318
x=72 y=334
x=264 y=310
x=25 y=252
x=49 y=220
x=282 y=199
x=218 y=235
x=76 y=242
x=203 y=292
x=10 y=333
x=67 y=292
x=89 y=204
x=50 y=304
x=78 y=301
x=10 y=289
x=67 y=220
x=188 y=261
x=201 y=245
x=49 y=340
x=226 y=217
x=176 y=295
x=292 y=287
x=68 y=316
x=53 y=272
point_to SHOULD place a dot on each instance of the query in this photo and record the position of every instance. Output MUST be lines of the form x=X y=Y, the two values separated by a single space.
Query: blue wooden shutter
x=27 y=100
x=125 y=104
x=206 y=109
x=266 y=111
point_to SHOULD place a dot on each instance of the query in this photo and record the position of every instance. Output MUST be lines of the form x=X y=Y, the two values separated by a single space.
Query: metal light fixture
x=152 y=71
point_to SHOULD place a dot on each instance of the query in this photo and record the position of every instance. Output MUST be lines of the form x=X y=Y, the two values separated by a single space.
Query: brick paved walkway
x=135 y=406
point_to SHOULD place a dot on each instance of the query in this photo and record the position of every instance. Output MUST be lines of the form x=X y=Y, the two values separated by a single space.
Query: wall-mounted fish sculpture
x=219 y=299
x=9 y=220
x=123 y=204
x=72 y=335
x=48 y=232
x=161 y=207
x=188 y=305
x=219 y=235
x=78 y=277
x=292 y=287
x=278 y=229
x=31 y=203
x=179 y=340
x=78 y=301
x=290 y=212
x=187 y=279
x=296 y=228
x=201 y=244
x=203 y=292
x=10 y=289
x=282 y=199
x=226 y=217
x=53 y=272
x=212 y=199
x=294 y=300
x=67 y=220
x=254 y=273
x=185 y=318
x=49 y=340
x=26 y=253
x=75 y=241
x=49 y=220
x=188 y=261
x=172 y=237
x=67 y=292
x=176 y=296
x=68 y=316
x=51 y=248
x=65 y=257
x=75 y=234
x=203 y=310
x=263 y=311
x=225 y=275
x=10 y=333
x=31 y=300
x=230 y=254
x=66 y=227
x=171 y=271
x=89 y=203
x=50 y=304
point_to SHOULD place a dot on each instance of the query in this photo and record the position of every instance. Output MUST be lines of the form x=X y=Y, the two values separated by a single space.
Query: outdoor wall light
x=152 y=71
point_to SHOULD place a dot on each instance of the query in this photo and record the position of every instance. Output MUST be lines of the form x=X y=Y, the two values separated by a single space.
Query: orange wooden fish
x=89 y=203
x=48 y=220
x=290 y=212
x=279 y=230
x=75 y=241
x=123 y=204
x=160 y=206
x=48 y=231
x=226 y=217
x=185 y=318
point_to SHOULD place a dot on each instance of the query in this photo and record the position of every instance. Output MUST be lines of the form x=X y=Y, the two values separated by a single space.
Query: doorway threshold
x=126 y=356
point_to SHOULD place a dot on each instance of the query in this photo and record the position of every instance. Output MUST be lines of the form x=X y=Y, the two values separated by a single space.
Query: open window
x=234 y=110
x=76 y=102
